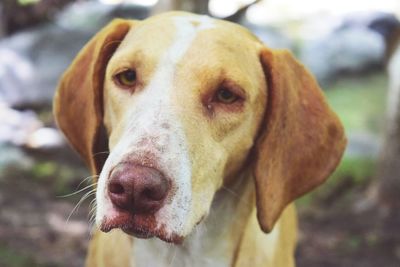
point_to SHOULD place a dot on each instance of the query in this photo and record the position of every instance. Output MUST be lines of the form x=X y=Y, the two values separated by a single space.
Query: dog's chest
x=199 y=253
x=212 y=243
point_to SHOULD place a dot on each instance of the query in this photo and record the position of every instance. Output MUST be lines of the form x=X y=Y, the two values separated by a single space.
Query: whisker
x=92 y=225
x=230 y=191
x=241 y=199
x=92 y=215
x=173 y=257
x=83 y=198
x=86 y=180
x=92 y=212
x=92 y=219
x=79 y=191
x=92 y=202
x=92 y=205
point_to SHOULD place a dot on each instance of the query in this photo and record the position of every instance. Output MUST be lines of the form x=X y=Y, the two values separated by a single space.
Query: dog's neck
x=219 y=234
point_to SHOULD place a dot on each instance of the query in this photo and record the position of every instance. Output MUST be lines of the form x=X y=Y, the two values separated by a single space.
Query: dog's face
x=184 y=99
x=187 y=105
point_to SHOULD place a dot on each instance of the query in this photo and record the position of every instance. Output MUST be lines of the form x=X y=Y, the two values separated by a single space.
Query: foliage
x=11 y=258
x=360 y=101
x=27 y=2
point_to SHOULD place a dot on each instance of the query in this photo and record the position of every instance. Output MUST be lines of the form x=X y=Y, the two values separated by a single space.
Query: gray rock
x=351 y=50
x=45 y=138
x=85 y=16
x=91 y=16
x=363 y=145
x=271 y=37
x=13 y=157
x=17 y=126
x=23 y=128
x=381 y=22
x=31 y=62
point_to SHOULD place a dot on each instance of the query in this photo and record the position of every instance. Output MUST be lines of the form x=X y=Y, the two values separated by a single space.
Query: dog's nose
x=137 y=189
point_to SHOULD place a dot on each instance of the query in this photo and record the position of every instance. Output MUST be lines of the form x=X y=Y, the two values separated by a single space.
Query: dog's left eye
x=225 y=96
x=126 y=78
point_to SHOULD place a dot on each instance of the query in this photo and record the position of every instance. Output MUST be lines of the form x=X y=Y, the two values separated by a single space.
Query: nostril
x=116 y=188
x=153 y=194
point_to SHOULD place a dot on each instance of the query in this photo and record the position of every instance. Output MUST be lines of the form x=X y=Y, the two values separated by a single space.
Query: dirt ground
x=34 y=231
x=337 y=235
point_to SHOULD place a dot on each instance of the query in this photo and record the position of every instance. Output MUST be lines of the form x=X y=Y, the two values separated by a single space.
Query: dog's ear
x=78 y=106
x=301 y=140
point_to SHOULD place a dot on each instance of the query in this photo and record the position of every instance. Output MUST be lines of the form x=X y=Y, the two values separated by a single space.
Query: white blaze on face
x=145 y=132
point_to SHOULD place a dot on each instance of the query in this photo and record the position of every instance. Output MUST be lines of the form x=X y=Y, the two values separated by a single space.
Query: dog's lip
x=127 y=227
x=136 y=232
x=139 y=226
x=127 y=223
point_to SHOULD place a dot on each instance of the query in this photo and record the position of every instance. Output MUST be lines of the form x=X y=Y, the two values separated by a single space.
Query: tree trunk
x=388 y=175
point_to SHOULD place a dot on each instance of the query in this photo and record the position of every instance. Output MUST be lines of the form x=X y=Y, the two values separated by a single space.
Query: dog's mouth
x=139 y=226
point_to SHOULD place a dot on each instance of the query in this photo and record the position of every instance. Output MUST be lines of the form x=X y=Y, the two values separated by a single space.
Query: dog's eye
x=126 y=78
x=225 y=96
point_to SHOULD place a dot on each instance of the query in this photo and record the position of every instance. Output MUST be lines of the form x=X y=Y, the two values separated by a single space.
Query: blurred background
x=350 y=46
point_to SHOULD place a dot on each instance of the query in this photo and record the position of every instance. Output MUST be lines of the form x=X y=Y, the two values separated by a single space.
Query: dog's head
x=183 y=103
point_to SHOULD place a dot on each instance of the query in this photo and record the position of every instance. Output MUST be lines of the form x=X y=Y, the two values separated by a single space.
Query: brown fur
x=78 y=103
x=302 y=139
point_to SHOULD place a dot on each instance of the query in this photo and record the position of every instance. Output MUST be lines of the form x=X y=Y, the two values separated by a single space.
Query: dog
x=211 y=137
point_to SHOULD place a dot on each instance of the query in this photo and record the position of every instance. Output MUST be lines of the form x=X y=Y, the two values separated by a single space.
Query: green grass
x=354 y=172
x=11 y=258
x=358 y=169
x=43 y=170
x=360 y=102
x=357 y=172
x=66 y=176
x=27 y=2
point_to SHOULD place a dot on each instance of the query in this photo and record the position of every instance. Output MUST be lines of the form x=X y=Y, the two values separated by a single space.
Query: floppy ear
x=78 y=102
x=301 y=140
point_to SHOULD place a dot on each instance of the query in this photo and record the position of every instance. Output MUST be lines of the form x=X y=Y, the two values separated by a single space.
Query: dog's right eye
x=225 y=96
x=126 y=78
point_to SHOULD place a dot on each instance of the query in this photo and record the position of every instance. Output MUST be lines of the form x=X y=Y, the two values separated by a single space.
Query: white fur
x=144 y=122
x=212 y=243
x=207 y=246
